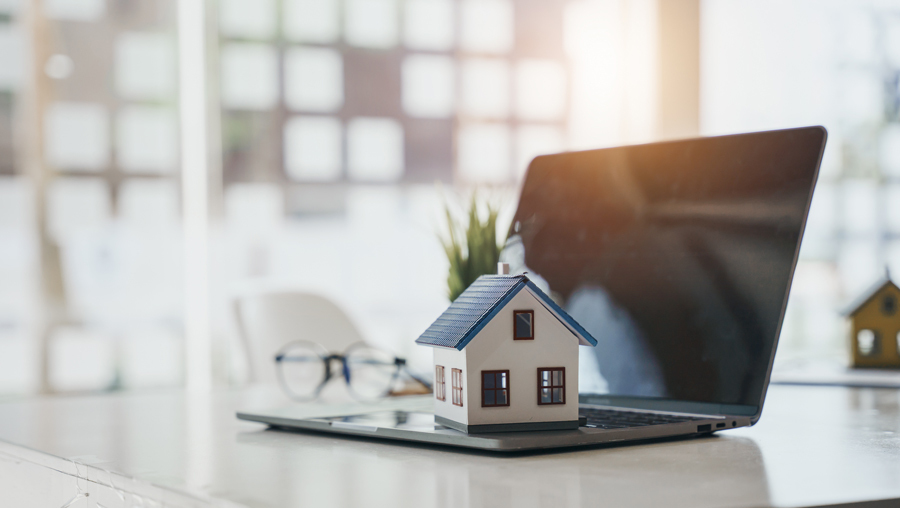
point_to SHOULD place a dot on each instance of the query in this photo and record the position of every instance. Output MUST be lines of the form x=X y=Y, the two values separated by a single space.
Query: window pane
x=314 y=79
x=312 y=147
x=484 y=153
x=488 y=380
x=523 y=325
x=76 y=136
x=557 y=395
x=428 y=86
x=486 y=26
x=145 y=66
x=489 y=397
x=249 y=76
x=74 y=10
x=428 y=24
x=545 y=378
x=545 y=395
x=149 y=203
x=557 y=378
x=501 y=397
x=540 y=89
x=501 y=380
x=76 y=205
x=867 y=342
x=12 y=57
x=375 y=149
x=254 y=19
x=371 y=23
x=146 y=140
x=311 y=20
x=485 y=87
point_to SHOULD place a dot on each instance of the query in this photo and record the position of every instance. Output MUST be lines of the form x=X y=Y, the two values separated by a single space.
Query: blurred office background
x=331 y=132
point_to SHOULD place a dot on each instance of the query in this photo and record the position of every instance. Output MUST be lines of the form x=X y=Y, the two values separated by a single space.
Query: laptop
x=677 y=257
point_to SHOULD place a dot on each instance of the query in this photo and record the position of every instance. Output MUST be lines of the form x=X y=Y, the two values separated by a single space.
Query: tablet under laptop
x=676 y=256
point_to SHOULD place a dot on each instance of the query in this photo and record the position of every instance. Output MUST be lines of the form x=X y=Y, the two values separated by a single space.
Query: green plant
x=471 y=248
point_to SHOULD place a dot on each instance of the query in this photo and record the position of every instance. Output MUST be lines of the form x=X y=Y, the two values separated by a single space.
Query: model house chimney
x=502 y=268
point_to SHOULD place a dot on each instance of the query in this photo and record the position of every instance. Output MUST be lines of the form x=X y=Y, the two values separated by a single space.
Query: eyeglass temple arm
x=419 y=379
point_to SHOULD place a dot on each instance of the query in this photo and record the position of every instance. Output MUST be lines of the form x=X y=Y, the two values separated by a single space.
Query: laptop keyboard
x=612 y=419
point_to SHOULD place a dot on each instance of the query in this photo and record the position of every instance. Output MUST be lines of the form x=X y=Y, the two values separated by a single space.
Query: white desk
x=813 y=446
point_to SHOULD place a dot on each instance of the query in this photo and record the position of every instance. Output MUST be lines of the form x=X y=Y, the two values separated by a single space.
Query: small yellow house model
x=875 y=336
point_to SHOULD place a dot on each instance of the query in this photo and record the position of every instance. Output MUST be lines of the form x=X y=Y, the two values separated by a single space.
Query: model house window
x=552 y=386
x=867 y=342
x=439 y=392
x=523 y=325
x=494 y=388
x=457 y=380
x=888 y=305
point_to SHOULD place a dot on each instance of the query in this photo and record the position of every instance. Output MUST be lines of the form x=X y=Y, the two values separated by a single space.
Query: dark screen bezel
x=688 y=406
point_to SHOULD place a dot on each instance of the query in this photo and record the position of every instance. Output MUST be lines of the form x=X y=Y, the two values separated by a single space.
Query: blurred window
x=485 y=153
x=149 y=203
x=146 y=140
x=429 y=25
x=77 y=206
x=375 y=149
x=248 y=19
x=74 y=10
x=315 y=21
x=249 y=76
x=144 y=66
x=314 y=79
x=77 y=136
x=486 y=26
x=867 y=342
x=371 y=23
x=889 y=305
x=485 y=87
x=313 y=148
x=540 y=90
x=428 y=86
x=12 y=57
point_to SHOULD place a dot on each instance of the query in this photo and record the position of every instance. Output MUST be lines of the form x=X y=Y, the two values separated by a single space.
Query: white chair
x=268 y=321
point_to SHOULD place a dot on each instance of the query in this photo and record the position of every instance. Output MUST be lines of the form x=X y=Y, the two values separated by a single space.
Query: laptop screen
x=677 y=257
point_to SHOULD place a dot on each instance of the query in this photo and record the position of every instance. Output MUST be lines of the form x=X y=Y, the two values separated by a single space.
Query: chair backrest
x=268 y=321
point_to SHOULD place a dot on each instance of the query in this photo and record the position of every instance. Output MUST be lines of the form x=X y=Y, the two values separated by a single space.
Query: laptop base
x=505 y=427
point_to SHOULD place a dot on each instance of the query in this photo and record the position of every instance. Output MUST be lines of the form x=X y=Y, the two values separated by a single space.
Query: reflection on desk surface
x=405 y=420
x=613 y=476
x=813 y=446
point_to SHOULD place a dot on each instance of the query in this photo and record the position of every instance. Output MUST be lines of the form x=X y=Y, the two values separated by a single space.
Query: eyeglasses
x=305 y=367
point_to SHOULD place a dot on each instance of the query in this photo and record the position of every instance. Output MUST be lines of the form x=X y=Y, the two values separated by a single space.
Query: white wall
x=451 y=358
x=494 y=349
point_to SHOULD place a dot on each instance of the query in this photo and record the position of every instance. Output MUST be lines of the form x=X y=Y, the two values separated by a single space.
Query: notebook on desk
x=677 y=257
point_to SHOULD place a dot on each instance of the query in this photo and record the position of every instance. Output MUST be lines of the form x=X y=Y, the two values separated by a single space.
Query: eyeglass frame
x=327 y=359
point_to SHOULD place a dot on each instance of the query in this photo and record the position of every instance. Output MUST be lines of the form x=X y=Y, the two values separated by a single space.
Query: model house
x=875 y=317
x=505 y=358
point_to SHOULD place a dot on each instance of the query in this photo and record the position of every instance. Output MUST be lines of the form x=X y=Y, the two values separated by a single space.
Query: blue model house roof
x=478 y=304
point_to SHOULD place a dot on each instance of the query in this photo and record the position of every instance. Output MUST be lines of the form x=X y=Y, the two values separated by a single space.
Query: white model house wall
x=494 y=349
x=451 y=358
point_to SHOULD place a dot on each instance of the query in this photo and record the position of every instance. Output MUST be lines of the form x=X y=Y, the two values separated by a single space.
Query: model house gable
x=505 y=358
x=875 y=326
x=481 y=302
